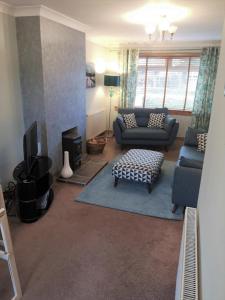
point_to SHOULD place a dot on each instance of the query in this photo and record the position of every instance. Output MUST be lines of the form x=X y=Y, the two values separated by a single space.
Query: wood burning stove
x=72 y=142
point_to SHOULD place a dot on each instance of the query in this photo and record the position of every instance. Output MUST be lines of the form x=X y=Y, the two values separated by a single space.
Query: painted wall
x=212 y=197
x=63 y=61
x=96 y=98
x=11 y=113
x=52 y=65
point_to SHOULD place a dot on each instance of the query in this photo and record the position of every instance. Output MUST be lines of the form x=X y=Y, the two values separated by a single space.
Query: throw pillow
x=156 y=120
x=191 y=136
x=130 y=120
x=202 y=141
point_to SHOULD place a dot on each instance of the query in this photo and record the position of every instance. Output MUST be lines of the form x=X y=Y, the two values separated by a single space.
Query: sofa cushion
x=190 y=163
x=142 y=121
x=130 y=121
x=202 y=141
x=191 y=153
x=145 y=133
x=191 y=136
x=156 y=120
x=142 y=114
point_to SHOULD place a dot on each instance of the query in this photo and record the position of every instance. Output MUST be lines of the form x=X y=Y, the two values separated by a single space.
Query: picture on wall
x=90 y=75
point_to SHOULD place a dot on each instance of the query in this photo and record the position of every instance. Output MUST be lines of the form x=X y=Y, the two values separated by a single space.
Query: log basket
x=96 y=145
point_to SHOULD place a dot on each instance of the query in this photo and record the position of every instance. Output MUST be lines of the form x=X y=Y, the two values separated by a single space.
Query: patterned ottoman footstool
x=138 y=165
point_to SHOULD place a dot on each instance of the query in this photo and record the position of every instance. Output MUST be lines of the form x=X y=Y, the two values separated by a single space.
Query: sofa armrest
x=120 y=121
x=190 y=163
x=186 y=185
x=117 y=132
x=169 y=123
x=173 y=133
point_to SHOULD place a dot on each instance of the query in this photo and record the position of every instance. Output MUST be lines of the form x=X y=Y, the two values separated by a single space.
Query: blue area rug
x=131 y=196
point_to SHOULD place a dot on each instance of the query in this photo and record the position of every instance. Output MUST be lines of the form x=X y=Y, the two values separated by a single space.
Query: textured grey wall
x=63 y=60
x=31 y=74
x=52 y=65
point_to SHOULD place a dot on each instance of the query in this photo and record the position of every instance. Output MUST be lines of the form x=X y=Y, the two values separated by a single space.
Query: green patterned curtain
x=129 y=64
x=205 y=88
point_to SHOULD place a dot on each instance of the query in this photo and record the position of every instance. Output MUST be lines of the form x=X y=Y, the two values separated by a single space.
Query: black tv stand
x=33 y=191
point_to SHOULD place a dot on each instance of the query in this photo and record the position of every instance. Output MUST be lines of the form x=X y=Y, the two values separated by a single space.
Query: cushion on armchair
x=130 y=120
x=156 y=120
x=202 y=141
x=191 y=136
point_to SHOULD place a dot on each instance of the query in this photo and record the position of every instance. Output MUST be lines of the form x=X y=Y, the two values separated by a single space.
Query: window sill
x=180 y=112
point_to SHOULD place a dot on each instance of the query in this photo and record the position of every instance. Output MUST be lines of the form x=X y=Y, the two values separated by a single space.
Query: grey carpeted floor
x=85 y=252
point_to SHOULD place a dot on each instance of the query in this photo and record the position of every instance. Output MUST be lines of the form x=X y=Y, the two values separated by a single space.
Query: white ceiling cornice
x=6 y=8
x=27 y=11
x=62 y=19
x=43 y=11
x=167 y=45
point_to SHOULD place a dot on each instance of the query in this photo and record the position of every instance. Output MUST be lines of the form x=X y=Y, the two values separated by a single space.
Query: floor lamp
x=111 y=81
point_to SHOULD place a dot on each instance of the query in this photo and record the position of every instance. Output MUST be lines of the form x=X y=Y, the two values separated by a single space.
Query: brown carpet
x=82 y=252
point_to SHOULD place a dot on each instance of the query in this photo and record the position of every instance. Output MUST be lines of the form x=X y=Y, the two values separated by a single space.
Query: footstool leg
x=116 y=181
x=149 y=188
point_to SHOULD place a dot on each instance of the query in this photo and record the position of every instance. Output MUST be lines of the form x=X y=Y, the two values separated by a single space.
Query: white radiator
x=187 y=275
x=95 y=123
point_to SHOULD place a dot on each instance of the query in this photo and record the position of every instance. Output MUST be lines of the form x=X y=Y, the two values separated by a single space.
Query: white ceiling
x=105 y=18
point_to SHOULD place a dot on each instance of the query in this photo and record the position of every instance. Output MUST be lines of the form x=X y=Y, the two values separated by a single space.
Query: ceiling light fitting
x=163 y=27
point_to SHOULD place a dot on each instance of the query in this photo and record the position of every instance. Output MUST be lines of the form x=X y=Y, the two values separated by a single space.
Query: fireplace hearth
x=72 y=142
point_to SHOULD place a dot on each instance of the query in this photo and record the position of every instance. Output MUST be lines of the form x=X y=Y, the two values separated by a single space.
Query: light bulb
x=150 y=29
x=164 y=24
x=172 y=29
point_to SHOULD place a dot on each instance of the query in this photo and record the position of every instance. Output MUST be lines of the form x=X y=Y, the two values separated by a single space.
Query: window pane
x=193 y=77
x=176 y=83
x=139 y=100
x=156 y=76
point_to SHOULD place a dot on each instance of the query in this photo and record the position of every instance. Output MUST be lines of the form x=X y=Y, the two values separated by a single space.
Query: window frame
x=169 y=56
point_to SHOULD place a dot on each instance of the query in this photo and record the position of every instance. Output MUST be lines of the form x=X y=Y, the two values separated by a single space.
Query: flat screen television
x=30 y=147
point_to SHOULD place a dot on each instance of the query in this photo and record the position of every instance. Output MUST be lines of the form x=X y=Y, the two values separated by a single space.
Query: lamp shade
x=111 y=80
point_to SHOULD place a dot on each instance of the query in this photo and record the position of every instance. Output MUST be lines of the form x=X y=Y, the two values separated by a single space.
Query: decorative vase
x=66 y=171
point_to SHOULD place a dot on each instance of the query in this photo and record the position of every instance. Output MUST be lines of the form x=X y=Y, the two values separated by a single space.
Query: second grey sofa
x=142 y=135
x=188 y=172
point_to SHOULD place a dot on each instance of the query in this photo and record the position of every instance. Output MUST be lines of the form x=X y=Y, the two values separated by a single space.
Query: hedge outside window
x=167 y=82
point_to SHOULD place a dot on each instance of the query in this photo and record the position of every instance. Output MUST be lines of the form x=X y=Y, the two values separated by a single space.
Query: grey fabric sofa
x=142 y=135
x=188 y=171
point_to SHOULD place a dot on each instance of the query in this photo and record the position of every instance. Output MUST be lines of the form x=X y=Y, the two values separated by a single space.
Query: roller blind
x=167 y=82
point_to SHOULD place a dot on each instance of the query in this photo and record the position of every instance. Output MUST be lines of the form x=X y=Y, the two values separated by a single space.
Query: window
x=167 y=82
